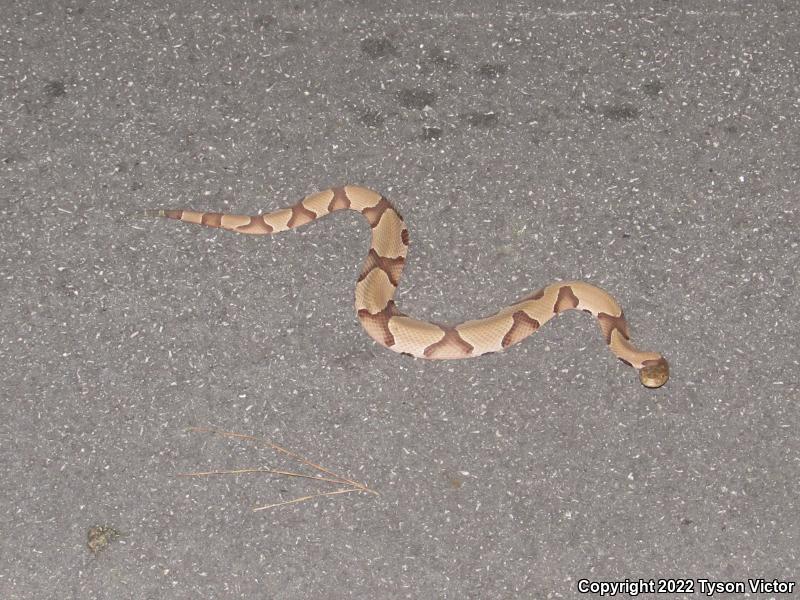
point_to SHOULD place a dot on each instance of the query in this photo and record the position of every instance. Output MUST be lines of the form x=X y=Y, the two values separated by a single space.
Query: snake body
x=380 y=275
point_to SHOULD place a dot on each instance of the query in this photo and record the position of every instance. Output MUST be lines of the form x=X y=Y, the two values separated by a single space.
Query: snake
x=380 y=275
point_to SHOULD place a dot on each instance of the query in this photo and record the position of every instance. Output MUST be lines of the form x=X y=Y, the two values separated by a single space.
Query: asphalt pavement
x=649 y=147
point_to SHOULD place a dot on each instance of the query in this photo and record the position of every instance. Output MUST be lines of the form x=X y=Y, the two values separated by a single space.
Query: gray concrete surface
x=650 y=147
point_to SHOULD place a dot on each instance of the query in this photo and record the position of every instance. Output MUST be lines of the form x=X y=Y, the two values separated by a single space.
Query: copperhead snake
x=383 y=321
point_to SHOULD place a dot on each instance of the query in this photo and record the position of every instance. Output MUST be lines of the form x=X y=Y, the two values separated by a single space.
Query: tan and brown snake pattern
x=380 y=275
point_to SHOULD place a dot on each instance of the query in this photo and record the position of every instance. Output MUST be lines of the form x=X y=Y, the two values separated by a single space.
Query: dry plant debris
x=101 y=536
x=325 y=475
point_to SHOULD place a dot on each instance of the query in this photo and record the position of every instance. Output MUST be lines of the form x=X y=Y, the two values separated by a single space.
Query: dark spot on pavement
x=377 y=47
x=653 y=88
x=479 y=119
x=492 y=71
x=13 y=157
x=54 y=89
x=439 y=58
x=431 y=133
x=372 y=118
x=292 y=36
x=416 y=98
x=620 y=112
x=262 y=22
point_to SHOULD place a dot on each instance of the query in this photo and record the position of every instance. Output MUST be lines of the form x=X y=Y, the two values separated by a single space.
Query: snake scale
x=380 y=275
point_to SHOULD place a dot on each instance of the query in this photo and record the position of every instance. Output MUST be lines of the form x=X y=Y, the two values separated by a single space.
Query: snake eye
x=655 y=374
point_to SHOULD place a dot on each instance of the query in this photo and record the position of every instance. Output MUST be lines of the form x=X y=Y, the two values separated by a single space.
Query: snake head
x=654 y=373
